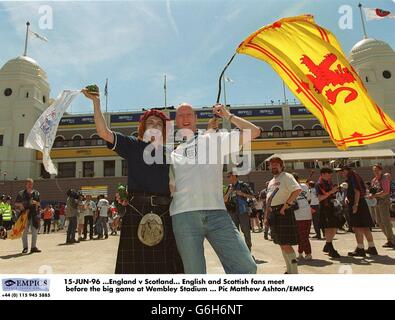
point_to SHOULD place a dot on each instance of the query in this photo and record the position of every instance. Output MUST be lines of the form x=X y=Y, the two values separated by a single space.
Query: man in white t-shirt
x=198 y=210
x=303 y=218
x=102 y=206
x=282 y=192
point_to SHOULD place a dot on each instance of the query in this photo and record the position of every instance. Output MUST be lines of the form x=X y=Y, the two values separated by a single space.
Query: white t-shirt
x=281 y=188
x=196 y=171
x=314 y=197
x=304 y=211
x=103 y=205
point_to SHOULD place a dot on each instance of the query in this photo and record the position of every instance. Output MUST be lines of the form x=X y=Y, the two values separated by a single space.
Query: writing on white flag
x=43 y=133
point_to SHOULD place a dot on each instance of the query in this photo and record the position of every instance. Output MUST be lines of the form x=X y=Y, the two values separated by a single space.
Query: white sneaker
x=308 y=257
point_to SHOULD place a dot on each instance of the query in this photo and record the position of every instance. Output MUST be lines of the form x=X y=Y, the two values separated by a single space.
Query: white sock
x=361 y=246
x=286 y=261
x=293 y=264
x=371 y=244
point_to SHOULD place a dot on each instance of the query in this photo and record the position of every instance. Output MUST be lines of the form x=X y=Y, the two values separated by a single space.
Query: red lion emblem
x=322 y=76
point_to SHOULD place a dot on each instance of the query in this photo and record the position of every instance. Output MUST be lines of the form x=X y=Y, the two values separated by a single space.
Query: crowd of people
x=79 y=213
x=288 y=208
x=175 y=201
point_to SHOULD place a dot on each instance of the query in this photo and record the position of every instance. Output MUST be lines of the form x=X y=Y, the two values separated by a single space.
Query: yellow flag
x=312 y=64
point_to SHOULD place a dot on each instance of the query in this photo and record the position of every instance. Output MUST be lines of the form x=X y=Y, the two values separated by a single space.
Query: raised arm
x=249 y=130
x=101 y=126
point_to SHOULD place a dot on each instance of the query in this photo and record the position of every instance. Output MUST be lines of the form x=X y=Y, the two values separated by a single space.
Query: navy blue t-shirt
x=142 y=177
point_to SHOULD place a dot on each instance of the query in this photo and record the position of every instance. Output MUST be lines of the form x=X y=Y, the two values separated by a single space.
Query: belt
x=151 y=200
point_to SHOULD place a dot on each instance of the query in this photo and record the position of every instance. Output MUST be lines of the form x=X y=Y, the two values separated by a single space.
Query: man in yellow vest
x=2 y=197
x=7 y=213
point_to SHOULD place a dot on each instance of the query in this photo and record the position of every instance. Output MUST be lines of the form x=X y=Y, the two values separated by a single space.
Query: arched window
x=96 y=140
x=298 y=131
x=59 y=141
x=76 y=140
x=319 y=131
x=276 y=131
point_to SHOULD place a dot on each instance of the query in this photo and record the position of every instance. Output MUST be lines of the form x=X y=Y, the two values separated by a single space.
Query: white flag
x=43 y=133
x=227 y=79
x=377 y=14
x=38 y=36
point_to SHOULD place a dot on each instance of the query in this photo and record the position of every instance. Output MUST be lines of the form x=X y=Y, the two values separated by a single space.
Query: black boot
x=359 y=252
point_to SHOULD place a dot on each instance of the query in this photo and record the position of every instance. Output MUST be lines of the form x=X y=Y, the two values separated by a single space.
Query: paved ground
x=99 y=257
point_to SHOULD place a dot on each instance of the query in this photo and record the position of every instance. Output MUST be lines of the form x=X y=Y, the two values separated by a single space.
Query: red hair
x=146 y=115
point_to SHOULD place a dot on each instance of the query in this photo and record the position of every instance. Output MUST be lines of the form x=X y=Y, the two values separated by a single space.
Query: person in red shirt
x=62 y=216
x=381 y=190
x=47 y=217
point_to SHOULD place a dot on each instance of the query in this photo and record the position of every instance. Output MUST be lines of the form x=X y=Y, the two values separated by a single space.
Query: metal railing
x=97 y=142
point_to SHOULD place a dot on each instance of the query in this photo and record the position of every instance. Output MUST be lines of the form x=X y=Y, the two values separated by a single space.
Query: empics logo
x=25 y=285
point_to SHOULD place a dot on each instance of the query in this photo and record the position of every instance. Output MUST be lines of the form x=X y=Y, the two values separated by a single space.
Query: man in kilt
x=360 y=218
x=150 y=247
x=282 y=192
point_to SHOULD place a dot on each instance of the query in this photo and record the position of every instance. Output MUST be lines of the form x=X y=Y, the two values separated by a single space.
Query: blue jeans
x=34 y=231
x=191 y=228
x=72 y=227
x=102 y=226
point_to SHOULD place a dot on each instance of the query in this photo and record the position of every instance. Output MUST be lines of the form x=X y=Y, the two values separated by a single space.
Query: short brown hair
x=278 y=160
x=378 y=166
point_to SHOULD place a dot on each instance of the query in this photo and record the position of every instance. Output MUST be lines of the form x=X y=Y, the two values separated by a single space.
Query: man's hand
x=94 y=96
x=282 y=210
x=121 y=202
x=266 y=222
x=334 y=190
x=213 y=124
x=221 y=111
x=355 y=208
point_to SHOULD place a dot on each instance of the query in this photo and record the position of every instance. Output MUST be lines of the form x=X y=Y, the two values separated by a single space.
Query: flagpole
x=224 y=84
x=284 y=92
x=165 y=92
x=26 y=39
x=106 y=94
x=363 y=21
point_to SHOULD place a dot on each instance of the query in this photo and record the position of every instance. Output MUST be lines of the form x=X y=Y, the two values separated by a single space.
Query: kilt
x=134 y=257
x=284 y=230
x=361 y=219
x=328 y=217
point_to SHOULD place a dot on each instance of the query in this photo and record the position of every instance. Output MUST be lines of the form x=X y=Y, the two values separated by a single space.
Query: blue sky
x=134 y=43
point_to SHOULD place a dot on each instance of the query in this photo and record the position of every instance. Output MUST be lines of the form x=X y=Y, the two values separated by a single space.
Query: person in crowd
x=103 y=209
x=303 y=218
x=198 y=210
x=258 y=207
x=148 y=191
x=360 y=218
x=6 y=212
x=72 y=215
x=315 y=210
x=282 y=193
x=381 y=191
x=28 y=202
x=62 y=216
x=239 y=192
x=341 y=199
x=56 y=218
x=82 y=210
x=88 y=217
x=48 y=214
x=326 y=191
